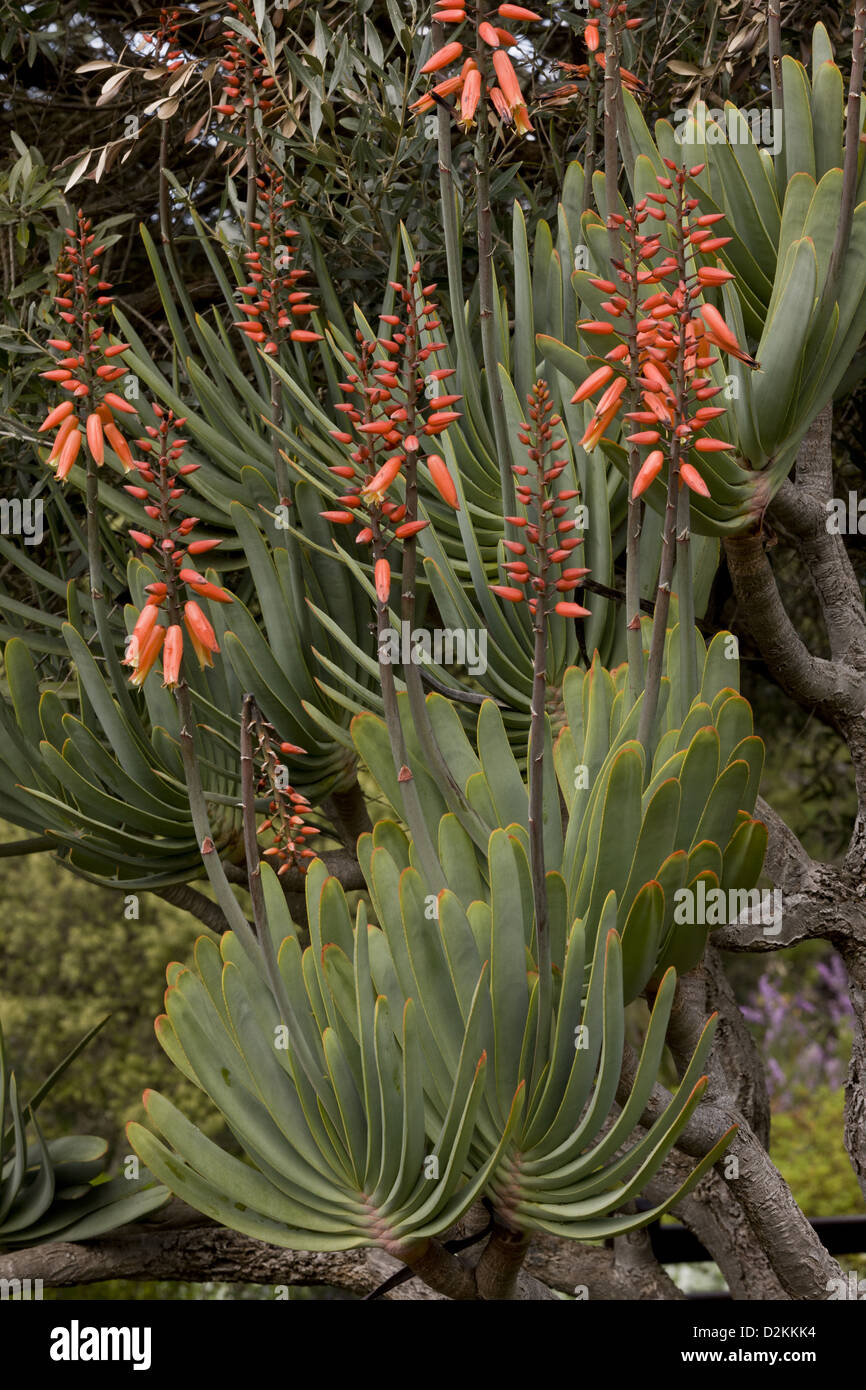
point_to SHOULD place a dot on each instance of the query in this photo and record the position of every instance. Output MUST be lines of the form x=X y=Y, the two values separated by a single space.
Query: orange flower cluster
x=672 y=325
x=388 y=409
x=246 y=77
x=272 y=302
x=171 y=548
x=287 y=808
x=470 y=85
x=166 y=37
x=87 y=366
x=548 y=542
x=616 y=11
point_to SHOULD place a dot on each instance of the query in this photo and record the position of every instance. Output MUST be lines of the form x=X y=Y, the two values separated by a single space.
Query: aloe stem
x=489 y=345
x=417 y=702
x=409 y=792
x=666 y=567
x=465 y=357
x=248 y=800
x=590 y=150
x=774 y=46
x=686 y=598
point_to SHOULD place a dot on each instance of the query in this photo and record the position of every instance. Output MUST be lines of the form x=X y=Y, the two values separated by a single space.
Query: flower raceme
x=392 y=402
x=654 y=311
x=548 y=544
x=88 y=364
x=247 y=83
x=470 y=87
x=615 y=12
x=171 y=548
x=287 y=808
x=274 y=305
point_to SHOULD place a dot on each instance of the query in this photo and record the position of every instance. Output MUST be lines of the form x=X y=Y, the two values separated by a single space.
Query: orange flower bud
x=442 y=481
x=382 y=576
x=201 y=633
x=56 y=416
x=692 y=479
x=443 y=57
x=172 y=653
x=69 y=453
x=649 y=470
x=95 y=440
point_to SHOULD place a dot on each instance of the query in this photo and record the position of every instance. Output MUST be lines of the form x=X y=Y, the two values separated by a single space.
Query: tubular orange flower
x=571 y=610
x=445 y=55
x=720 y=335
x=147 y=656
x=509 y=594
x=470 y=98
x=69 y=424
x=119 y=445
x=211 y=591
x=508 y=80
x=597 y=426
x=598 y=378
x=95 y=440
x=518 y=12
x=611 y=396
x=712 y=446
x=649 y=470
x=382 y=576
x=590 y=34
x=375 y=490
x=56 y=416
x=171 y=656
x=201 y=633
x=488 y=34
x=442 y=481
x=692 y=479
x=145 y=624
x=69 y=453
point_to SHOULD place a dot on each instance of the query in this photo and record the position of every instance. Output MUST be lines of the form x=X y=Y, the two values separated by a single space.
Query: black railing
x=673 y=1244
